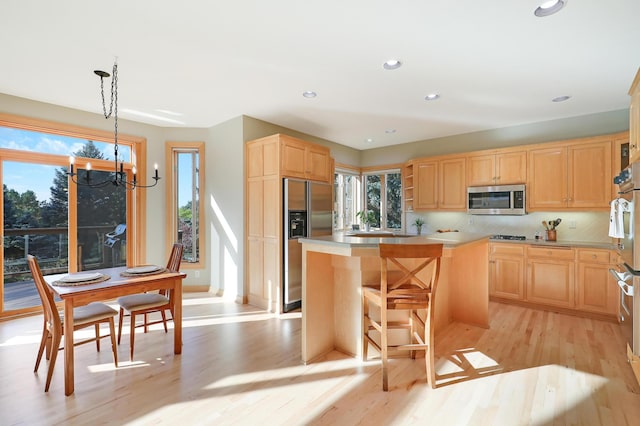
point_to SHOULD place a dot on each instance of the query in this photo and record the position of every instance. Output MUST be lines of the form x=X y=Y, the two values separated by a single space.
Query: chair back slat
x=175 y=258
x=51 y=314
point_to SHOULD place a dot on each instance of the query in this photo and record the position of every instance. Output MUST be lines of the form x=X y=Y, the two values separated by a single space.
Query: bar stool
x=401 y=288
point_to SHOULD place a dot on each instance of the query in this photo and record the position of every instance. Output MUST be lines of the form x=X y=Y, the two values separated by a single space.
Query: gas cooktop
x=508 y=237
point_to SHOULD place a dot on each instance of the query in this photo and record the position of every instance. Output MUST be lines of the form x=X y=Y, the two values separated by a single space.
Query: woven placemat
x=102 y=278
x=129 y=274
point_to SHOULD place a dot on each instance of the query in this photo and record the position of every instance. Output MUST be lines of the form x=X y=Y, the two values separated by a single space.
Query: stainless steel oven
x=626 y=212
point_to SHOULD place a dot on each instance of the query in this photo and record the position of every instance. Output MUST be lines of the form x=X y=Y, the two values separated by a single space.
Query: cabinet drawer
x=594 y=256
x=507 y=249
x=553 y=253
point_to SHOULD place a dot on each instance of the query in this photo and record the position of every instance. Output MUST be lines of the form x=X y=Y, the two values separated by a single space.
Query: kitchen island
x=335 y=267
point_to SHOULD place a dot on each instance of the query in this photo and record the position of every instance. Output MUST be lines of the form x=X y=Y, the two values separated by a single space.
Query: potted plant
x=418 y=222
x=367 y=217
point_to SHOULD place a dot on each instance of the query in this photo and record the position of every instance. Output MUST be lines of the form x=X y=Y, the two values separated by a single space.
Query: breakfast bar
x=335 y=267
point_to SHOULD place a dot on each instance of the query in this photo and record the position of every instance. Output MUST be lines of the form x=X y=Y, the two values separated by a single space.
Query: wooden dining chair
x=146 y=303
x=92 y=314
x=408 y=281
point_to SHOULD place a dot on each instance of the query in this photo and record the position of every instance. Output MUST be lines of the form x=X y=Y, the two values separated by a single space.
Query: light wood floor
x=241 y=366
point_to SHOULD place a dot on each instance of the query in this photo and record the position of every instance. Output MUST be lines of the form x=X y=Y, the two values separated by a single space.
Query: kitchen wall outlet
x=470 y=222
x=197 y=274
x=573 y=224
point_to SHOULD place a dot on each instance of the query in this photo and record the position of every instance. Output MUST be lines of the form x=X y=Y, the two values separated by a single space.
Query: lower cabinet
x=506 y=271
x=577 y=279
x=550 y=276
x=598 y=292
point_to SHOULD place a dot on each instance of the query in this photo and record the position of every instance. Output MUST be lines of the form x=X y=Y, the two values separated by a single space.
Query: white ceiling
x=197 y=63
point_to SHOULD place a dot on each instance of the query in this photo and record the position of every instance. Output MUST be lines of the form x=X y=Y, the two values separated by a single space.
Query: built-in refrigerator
x=307 y=213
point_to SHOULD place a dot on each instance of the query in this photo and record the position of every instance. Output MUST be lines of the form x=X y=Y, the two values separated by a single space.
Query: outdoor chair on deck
x=408 y=281
x=92 y=314
x=146 y=303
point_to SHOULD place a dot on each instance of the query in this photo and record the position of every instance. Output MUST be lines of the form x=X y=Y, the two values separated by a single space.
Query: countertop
x=449 y=239
x=562 y=243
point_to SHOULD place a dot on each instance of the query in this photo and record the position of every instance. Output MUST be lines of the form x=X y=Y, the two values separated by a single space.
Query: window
x=185 y=160
x=383 y=196
x=65 y=226
x=346 y=198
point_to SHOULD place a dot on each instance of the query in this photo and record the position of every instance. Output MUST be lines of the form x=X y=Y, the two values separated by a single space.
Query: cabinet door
x=481 y=170
x=270 y=209
x=255 y=199
x=547 y=178
x=597 y=290
x=511 y=167
x=293 y=158
x=506 y=277
x=425 y=183
x=551 y=282
x=255 y=270
x=318 y=164
x=453 y=185
x=589 y=175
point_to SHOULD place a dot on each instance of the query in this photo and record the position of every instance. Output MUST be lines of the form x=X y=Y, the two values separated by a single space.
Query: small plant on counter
x=368 y=217
x=418 y=222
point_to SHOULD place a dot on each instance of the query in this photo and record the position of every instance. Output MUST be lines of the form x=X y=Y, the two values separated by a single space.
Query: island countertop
x=449 y=239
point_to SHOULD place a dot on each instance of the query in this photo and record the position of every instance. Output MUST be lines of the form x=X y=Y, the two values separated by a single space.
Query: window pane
x=372 y=189
x=394 y=200
x=188 y=204
x=102 y=218
x=25 y=140
x=35 y=222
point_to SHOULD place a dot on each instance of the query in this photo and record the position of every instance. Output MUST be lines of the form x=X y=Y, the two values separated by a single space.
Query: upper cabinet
x=439 y=184
x=300 y=159
x=570 y=176
x=634 y=120
x=502 y=168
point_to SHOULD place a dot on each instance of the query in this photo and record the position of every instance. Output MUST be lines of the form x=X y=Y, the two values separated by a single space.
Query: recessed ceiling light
x=390 y=131
x=549 y=8
x=368 y=140
x=392 y=64
x=309 y=94
x=432 y=97
x=561 y=98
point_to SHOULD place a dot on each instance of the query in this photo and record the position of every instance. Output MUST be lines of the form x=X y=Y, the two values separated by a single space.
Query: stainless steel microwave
x=499 y=199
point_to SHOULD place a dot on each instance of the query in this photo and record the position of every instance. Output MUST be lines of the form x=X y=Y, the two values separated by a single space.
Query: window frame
x=172 y=148
x=357 y=198
x=382 y=173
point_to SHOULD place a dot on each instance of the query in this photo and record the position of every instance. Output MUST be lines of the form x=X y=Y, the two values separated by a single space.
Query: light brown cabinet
x=304 y=160
x=550 y=276
x=439 y=184
x=497 y=169
x=268 y=160
x=597 y=290
x=506 y=271
x=634 y=120
x=576 y=177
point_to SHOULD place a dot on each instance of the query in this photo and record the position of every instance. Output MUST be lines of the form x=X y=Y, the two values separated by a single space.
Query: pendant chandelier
x=118 y=177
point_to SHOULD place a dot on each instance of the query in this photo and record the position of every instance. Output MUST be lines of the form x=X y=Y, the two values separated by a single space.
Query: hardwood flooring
x=242 y=366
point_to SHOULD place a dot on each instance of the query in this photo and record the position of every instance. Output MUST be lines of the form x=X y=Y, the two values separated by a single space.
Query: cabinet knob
x=593 y=256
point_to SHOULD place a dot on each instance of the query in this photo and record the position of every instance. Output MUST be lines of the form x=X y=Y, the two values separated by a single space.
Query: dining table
x=115 y=282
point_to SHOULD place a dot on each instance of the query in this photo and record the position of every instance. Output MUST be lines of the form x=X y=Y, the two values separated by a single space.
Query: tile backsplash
x=575 y=226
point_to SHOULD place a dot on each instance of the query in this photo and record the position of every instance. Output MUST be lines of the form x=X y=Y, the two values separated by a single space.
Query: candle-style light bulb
x=155 y=166
x=134 y=174
x=88 y=167
x=71 y=160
